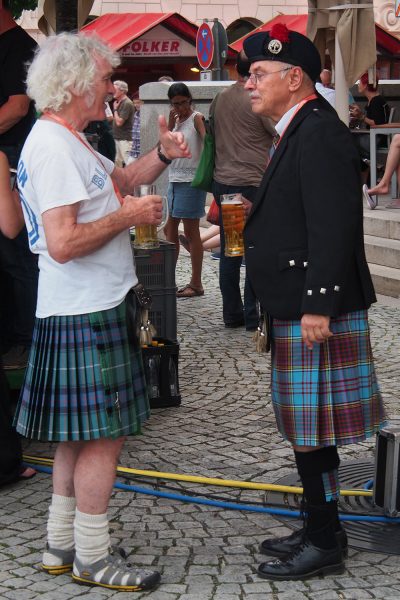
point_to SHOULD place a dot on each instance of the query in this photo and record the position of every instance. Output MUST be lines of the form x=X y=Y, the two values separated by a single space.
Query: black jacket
x=304 y=236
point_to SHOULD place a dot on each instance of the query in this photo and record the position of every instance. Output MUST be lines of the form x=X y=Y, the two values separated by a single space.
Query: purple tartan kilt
x=329 y=395
x=84 y=380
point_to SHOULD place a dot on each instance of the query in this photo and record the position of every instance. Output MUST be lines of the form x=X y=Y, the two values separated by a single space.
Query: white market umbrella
x=47 y=14
x=347 y=30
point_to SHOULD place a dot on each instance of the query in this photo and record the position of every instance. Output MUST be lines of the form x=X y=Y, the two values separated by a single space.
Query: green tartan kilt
x=84 y=380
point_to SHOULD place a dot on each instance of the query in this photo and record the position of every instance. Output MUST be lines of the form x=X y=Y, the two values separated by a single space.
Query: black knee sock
x=333 y=511
x=322 y=521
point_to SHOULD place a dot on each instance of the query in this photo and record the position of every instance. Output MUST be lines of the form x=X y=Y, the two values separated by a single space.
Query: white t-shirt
x=327 y=93
x=56 y=169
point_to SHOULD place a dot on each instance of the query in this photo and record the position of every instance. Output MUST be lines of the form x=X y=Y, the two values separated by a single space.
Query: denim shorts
x=186 y=202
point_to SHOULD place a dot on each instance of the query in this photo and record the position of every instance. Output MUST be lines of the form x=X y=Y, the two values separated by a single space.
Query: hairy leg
x=94 y=474
x=64 y=466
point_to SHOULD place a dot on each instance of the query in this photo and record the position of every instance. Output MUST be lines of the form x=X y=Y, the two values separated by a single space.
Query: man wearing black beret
x=306 y=262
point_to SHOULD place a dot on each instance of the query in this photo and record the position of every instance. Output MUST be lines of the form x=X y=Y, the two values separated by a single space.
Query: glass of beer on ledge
x=233 y=220
x=146 y=235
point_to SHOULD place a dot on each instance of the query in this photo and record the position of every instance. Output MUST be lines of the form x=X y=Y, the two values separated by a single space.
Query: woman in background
x=376 y=112
x=185 y=202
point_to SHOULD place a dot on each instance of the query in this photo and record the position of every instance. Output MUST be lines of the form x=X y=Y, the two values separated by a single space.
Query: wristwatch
x=162 y=156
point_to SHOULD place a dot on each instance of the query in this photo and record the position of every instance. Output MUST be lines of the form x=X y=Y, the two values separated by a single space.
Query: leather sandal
x=189 y=291
x=116 y=573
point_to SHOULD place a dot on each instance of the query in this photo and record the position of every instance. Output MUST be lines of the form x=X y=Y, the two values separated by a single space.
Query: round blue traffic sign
x=204 y=46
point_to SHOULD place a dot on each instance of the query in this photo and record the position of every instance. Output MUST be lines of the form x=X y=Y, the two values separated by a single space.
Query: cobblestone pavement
x=224 y=428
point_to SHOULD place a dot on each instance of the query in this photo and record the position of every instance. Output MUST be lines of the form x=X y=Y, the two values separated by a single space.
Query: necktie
x=275 y=142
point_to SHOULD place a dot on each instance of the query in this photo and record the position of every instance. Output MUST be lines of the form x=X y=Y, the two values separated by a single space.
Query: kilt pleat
x=329 y=395
x=84 y=380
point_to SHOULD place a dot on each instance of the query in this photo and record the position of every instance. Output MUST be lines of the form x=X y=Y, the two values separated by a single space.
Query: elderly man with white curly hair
x=84 y=385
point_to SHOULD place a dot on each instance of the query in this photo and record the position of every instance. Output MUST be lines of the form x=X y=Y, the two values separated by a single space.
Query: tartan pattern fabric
x=330 y=480
x=83 y=380
x=327 y=396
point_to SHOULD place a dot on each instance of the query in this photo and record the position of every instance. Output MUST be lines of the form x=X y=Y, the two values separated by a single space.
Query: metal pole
x=216 y=51
x=341 y=88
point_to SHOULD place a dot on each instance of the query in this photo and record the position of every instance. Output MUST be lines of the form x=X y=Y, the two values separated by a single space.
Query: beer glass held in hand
x=146 y=235
x=233 y=220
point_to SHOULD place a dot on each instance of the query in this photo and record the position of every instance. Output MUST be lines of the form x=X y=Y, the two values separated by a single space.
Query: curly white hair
x=63 y=64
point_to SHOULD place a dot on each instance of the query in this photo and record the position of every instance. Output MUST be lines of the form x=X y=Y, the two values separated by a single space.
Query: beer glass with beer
x=146 y=235
x=233 y=221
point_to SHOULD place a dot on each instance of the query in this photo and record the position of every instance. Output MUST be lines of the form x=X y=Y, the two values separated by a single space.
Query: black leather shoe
x=305 y=561
x=283 y=545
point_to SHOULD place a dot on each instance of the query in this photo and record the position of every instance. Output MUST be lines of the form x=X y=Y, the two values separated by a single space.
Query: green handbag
x=205 y=169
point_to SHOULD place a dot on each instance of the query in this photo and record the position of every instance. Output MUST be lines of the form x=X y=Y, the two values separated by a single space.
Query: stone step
x=382 y=223
x=382 y=251
x=386 y=280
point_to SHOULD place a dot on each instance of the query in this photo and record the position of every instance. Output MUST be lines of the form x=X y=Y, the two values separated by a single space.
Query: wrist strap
x=162 y=156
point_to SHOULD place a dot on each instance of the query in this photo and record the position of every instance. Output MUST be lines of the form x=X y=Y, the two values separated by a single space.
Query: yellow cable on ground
x=250 y=485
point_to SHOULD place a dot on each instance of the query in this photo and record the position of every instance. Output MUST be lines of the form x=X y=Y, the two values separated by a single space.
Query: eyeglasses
x=255 y=78
x=181 y=103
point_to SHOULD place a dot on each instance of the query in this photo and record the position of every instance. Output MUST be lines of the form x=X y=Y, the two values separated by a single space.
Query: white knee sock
x=60 y=526
x=92 y=537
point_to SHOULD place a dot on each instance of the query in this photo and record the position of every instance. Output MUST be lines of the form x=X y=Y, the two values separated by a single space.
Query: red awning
x=384 y=39
x=121 y=29
x=294 y=22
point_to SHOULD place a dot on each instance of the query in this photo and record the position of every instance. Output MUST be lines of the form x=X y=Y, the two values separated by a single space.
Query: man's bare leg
x=94 y=474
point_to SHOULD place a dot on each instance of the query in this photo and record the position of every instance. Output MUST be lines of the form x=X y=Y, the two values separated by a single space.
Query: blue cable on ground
x=231 y=505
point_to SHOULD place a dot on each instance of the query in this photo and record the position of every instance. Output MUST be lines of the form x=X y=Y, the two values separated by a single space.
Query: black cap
x=281 y=44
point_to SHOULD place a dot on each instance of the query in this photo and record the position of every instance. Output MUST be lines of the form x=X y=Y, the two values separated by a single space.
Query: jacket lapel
x=279 y=153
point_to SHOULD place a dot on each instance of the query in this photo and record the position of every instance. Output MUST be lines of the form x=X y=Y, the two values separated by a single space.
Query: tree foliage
x=17 y=6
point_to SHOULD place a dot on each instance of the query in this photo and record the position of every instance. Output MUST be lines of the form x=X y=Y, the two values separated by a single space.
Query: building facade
x=232 y=11
x=238 y=16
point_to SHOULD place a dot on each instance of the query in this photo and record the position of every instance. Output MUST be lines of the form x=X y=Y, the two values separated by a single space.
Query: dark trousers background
x=233 y=308
x=18 y=282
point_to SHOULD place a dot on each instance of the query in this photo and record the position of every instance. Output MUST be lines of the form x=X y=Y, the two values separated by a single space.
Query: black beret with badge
x=286 y=46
